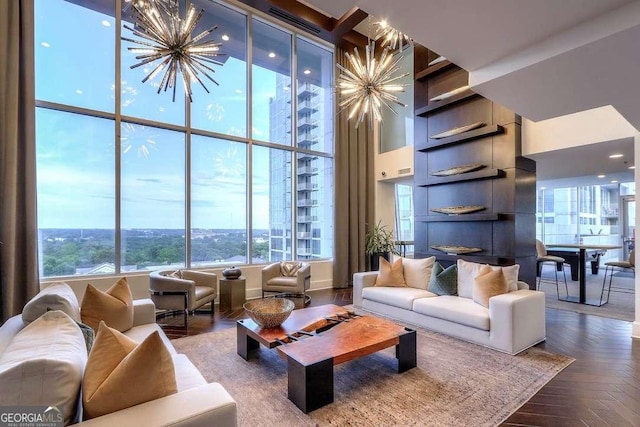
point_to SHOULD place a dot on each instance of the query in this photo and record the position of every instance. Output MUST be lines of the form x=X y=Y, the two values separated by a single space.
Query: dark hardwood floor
x=601 y=388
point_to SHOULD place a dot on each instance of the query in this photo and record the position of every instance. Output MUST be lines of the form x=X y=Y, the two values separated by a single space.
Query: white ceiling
x=542 y=58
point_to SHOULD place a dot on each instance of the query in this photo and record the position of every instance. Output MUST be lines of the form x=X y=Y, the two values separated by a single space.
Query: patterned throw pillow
x=444 y=281
x=390 y=275
x=290 y=269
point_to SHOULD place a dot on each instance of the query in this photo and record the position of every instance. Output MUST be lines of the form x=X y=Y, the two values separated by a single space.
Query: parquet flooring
x=601 y=388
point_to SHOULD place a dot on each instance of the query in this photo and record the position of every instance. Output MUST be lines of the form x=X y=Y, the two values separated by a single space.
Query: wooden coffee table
x=313 y=340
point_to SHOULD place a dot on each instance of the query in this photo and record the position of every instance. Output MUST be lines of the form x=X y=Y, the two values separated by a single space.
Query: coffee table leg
x=244 y=342
x=406 y=351
x=310 y=387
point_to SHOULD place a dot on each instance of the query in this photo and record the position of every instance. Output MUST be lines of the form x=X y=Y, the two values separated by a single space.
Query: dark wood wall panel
x=505 y=229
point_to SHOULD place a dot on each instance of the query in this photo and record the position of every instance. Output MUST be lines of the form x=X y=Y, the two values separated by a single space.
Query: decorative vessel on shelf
x=457 y=170
x=269 y=312
x=457 y=210
x=232 y=273
x=458 y=130
x=456 y=250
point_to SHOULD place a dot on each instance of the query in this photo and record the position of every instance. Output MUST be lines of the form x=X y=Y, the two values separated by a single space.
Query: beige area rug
x=621 y=303
x=454 y=384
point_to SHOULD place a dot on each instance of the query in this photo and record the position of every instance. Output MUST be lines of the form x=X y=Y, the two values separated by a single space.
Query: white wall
x=321 y=278
x=583 y=128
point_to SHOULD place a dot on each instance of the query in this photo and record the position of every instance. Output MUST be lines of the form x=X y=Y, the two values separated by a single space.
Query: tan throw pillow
x=390 y=275
x=290 y=269
x=121 y=373
x=417 y=272
x=115 y=306
x=489 y=283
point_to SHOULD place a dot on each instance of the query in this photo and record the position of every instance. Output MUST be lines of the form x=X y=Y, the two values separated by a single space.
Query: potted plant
x=378 y=242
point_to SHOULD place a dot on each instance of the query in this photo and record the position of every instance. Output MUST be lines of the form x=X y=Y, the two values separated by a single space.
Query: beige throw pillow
x=390 y=275
x=417 y=272
x=56 y=296
x=489 y=283
x=467 y=271
x=120 y=373
x=115 y=306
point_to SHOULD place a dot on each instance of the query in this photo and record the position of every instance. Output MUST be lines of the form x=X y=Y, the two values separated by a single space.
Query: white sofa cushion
x=56 y=296
x=454 y=309
x=43 y=364
x=139 y=333
x=417 y=272
x=187 y=375
x=396 y=296
x=467 y=271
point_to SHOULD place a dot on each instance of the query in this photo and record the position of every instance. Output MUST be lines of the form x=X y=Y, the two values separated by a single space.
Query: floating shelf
x=434 y=69
x=481 y=174
x=432 y=144
x=459 y=218
x=433 y=106
x=485 y=259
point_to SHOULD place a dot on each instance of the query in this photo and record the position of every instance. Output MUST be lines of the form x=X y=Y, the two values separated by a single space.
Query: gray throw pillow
x=444 y=281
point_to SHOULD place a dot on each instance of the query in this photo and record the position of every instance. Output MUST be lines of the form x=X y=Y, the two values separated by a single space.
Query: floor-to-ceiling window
x=129 y=180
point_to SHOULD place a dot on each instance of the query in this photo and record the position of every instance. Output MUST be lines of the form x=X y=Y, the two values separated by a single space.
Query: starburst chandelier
x=391 y=37
x=370 y=84
x=167 y=38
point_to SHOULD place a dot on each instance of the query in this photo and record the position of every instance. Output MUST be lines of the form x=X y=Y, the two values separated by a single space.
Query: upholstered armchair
x=182 y=290
x=279 y=277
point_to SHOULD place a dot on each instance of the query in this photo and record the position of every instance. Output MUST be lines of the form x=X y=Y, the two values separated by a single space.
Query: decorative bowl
x=232 y=273
x=269 y=312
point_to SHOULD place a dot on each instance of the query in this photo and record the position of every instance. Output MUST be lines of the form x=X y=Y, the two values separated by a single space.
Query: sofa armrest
x=517 y=320
x=361 y=281
x=144 y=312
x=523 y=285
x=207 y=405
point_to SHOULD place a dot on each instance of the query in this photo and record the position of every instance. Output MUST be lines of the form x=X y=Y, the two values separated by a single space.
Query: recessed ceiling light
x=45 y=44
x=616 y=156
x=601 y=176
x=632 y=167
x=225 y=37
x=78 y=91
x=614 y=181
x=543 y=188
x=272 y=54
x=307 y=71
x=106 y=23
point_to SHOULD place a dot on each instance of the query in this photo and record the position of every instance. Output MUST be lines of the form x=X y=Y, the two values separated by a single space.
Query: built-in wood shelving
x=485 y=259
x=458 y=218
x=433 y=106
x=434 y=69
x=432 y=144
x=469 y=176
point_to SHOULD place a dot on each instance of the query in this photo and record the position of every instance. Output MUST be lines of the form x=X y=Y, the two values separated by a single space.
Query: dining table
x=582 y=267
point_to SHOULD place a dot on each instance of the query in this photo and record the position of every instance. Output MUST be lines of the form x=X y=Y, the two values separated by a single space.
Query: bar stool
x=622 y=265
x=557 y=261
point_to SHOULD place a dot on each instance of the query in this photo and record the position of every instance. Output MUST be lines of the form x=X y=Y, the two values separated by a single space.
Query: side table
x=232 y=293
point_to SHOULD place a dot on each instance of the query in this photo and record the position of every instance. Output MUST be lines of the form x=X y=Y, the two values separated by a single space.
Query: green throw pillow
x=444 y=281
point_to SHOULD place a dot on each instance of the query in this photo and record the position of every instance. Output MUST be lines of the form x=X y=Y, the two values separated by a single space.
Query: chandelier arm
x=156 y=70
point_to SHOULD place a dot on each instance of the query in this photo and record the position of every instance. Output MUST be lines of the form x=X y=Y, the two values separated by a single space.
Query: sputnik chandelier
x=371 y=84
x=167 y=38
x=391 y=37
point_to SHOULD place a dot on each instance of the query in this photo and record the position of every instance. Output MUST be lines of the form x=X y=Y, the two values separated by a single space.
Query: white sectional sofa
x=195 y=404
x=513 y=322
